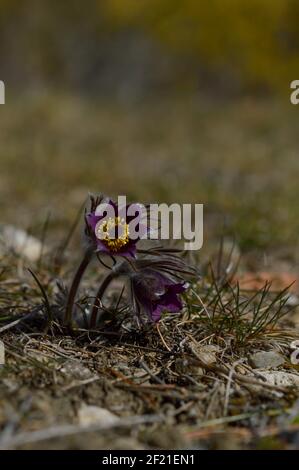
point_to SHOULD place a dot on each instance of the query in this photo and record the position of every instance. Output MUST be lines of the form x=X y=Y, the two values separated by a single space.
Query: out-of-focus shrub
x=257 y=40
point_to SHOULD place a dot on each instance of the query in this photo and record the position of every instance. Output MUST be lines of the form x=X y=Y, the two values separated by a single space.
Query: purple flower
x=156 y=293
x=109 y=230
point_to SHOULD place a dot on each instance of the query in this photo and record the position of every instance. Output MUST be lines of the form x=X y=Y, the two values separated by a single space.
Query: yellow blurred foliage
x=256 y=39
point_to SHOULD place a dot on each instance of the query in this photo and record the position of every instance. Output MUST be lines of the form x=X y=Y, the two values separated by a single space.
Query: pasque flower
x=156 y=275
x=156 y=293
x=111 y=234
x=156 y=278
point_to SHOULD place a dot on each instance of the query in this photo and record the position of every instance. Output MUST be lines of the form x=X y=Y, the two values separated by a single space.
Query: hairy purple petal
x=156 y=293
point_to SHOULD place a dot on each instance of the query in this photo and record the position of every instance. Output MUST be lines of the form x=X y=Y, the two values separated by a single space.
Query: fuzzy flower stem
x=100 y=293
x=74 y=287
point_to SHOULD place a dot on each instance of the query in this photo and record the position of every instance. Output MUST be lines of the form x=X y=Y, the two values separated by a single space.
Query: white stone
x=89 y=415
x=20 y=242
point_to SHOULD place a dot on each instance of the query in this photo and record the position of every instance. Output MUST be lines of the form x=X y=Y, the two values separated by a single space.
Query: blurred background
x=161 y=100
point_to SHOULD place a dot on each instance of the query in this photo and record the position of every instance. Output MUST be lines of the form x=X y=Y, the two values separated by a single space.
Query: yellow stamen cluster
x=109 y=229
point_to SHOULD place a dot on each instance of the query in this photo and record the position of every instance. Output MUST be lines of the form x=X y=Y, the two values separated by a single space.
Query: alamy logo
x=2 y=354
x=2 y=92
x=295 y=353
x=295 y=94
x=135 y=221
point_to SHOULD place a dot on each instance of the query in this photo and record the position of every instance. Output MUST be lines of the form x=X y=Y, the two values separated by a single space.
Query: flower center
x=114 y=232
